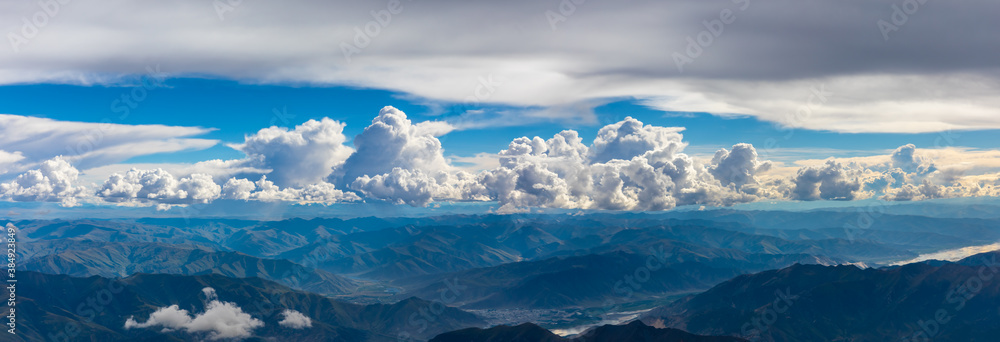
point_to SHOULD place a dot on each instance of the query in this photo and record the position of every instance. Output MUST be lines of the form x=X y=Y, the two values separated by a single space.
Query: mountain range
x=711 y=273
x=943 y=301
x=62 y=307
x=633 y=332
x=121 y=259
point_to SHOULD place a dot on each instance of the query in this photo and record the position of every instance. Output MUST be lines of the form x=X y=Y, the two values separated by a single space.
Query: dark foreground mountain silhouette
x=64 y=308
x=942 y=301
x=527 y=332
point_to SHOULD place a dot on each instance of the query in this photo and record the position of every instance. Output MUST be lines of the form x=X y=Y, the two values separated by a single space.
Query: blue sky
x=229 y=120
x=235 y=109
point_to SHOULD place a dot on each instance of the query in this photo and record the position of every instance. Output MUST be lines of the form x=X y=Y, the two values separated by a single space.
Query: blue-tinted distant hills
x=633 y=332
x=941 y=301
x=97 y=308
x=555 y=270
x=122 y=259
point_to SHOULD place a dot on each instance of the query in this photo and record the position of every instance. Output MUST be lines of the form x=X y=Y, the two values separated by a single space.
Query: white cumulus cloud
x=391 y=141
x=629 y=166
x=739 y=166
x=831 y=181
x=266 y=191
x=295 y=320
x=158 y=187
x=298 y=157
x=221 y=320
x=402 y=162
x=54 y=181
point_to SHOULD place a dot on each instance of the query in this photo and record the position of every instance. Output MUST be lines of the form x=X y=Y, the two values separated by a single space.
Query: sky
x=501 y=106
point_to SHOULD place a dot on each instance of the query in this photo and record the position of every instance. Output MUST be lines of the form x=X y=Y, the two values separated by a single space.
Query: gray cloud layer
x=898 y=66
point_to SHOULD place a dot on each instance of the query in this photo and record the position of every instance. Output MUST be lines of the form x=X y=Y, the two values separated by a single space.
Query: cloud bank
x=54 y=181
x=629 y=165
x=138 y=186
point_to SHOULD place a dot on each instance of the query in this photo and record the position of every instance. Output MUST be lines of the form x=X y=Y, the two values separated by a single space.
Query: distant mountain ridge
x=394 y=248
x=598 y=278
x=632 y=332
x=944 y=301
x=559 y=270
x=96 y=309
x=122 y=259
